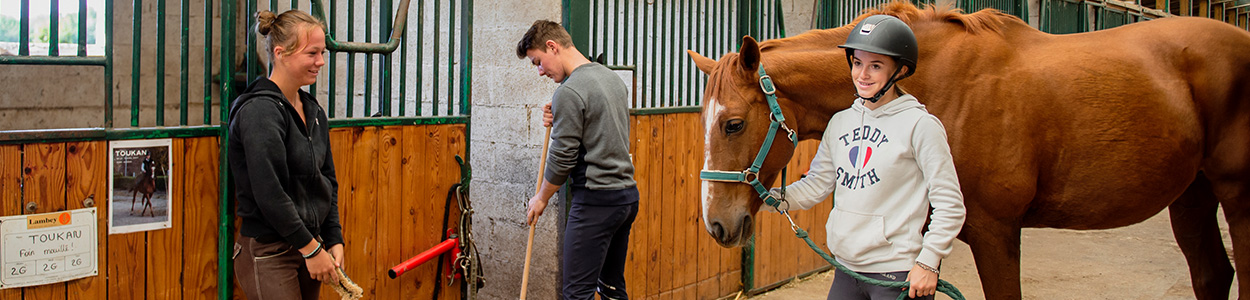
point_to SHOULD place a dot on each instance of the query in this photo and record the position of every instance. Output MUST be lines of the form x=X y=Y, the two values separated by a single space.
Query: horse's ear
x=705 y=64
x=749 y=55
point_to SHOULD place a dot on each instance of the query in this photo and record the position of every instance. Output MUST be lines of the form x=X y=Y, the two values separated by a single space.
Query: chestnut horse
x=1083 y=131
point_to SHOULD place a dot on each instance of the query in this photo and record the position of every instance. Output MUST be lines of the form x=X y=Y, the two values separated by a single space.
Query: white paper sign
x=48 y=248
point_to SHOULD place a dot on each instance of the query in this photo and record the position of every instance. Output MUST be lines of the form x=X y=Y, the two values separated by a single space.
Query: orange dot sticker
x=64 y=218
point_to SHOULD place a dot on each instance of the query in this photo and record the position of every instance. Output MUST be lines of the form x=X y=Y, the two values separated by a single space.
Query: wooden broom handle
x=529 y=244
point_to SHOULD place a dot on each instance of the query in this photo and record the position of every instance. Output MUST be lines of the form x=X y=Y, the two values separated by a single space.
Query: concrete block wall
x=506 y=144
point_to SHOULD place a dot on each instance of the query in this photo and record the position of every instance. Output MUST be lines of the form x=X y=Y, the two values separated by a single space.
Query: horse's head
x=736 y=119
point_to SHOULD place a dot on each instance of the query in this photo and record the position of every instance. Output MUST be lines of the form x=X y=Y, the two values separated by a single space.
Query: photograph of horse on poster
x=139 y=183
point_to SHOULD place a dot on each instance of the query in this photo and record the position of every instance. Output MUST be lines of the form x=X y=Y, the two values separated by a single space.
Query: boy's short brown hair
x=539 y=34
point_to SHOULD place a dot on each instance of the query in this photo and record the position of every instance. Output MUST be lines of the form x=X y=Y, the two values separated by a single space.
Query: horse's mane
x=984 y=20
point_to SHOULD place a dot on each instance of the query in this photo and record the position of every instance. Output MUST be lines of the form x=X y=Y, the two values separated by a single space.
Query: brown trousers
x=273 y=271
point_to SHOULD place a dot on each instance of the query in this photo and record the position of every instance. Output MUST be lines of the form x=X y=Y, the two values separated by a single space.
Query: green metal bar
x=669 y=87
x=52 y=60
x=54 y=29
x=101 y=133
x=651 y=57
x=295 y=5
x=273 y=7
x=466 y=64
x=616 y=30
x=594 y=28
x=82 y=27
x=183 y=63
x=208 y=63
x=451 y=48
x=368 y=59
x=108 y=66
x=160 y=62
x=351 y=59
x=403 y=77
x=420 y=52
x=23 y=37
x=635 y=60
x=224 y=238
x=385 y=62
x=707 y=42
x=318 y=10
x=362 y=122
x=250 y=56
x=665 y=110
x=780 y=18
x=576 y=18
x=434 y=84
x=135 y=48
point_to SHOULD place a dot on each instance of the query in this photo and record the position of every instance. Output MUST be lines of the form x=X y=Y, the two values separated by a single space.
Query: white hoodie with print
x=886 y=168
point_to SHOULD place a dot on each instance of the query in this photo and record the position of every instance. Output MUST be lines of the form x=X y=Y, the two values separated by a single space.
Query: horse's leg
x=1198 y=235
x=133 y=193
x=1236 y=201
x=996 y=250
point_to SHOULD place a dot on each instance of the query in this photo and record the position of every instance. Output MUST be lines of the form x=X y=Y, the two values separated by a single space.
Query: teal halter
x=751 y=174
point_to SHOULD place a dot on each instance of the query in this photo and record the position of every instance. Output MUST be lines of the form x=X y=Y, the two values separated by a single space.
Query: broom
x=529 y=246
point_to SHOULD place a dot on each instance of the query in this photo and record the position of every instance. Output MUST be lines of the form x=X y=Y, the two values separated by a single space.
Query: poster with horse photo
x=140 y=180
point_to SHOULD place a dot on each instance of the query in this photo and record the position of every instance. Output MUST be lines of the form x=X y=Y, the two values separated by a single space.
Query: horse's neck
x=812 y=86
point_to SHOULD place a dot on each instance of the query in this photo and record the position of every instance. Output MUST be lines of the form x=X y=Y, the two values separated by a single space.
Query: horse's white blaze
x=709 y=122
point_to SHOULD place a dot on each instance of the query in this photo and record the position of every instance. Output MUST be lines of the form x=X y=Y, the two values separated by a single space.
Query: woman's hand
x=337 y=251
x=320 y=266
x=923 y=282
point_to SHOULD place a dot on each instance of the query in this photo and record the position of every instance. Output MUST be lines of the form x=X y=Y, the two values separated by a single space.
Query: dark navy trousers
x=596 y=242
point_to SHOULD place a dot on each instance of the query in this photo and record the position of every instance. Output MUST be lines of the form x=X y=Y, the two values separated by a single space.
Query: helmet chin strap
x=888 y=84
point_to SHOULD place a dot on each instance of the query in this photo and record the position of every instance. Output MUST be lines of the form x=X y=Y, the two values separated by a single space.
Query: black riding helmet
x=885 y=35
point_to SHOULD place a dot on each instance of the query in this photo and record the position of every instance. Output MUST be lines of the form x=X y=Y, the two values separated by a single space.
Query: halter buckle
x=766 y=84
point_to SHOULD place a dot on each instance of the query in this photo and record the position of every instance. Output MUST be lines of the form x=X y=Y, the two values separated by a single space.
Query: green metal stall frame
x=458 y=106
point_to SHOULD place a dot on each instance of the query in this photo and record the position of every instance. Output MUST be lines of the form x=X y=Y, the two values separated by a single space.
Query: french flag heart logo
x=855 y=156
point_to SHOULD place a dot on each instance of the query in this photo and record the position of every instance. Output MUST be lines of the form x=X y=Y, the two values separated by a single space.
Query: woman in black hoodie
x=283 y=170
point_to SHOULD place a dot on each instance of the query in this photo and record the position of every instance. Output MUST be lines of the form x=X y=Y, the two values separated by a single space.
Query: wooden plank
x=357 y=214
x=660 y=241
x=200 y=216
x=454 y=144
x=636 y=262
x=416 y=207
x=709 y=252
x=390 y=196
x=44 y=178
x=669 y=252
x=689 y=197
x=86 y=166
x=444 y=142
x=164 y=246
x=11 y=195
x=341 y=147
x=126 y=269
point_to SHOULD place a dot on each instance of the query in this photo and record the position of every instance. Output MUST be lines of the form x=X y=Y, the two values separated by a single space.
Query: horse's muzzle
x=735 y=236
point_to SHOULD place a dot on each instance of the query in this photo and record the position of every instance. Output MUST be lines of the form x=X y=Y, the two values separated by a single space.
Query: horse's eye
x=733 y=126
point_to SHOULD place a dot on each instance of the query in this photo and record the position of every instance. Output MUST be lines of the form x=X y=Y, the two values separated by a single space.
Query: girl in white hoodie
x=887 y=162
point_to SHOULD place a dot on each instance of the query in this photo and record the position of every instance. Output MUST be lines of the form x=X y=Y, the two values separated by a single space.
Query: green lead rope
x=942 y=286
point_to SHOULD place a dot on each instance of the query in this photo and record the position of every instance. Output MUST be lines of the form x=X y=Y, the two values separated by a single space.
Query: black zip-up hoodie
x=283 y=170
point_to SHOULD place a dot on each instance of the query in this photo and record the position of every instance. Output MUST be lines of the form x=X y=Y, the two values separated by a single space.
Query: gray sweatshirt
x=590 y=134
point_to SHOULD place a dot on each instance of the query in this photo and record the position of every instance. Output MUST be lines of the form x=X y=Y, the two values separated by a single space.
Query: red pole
x=422 y=258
